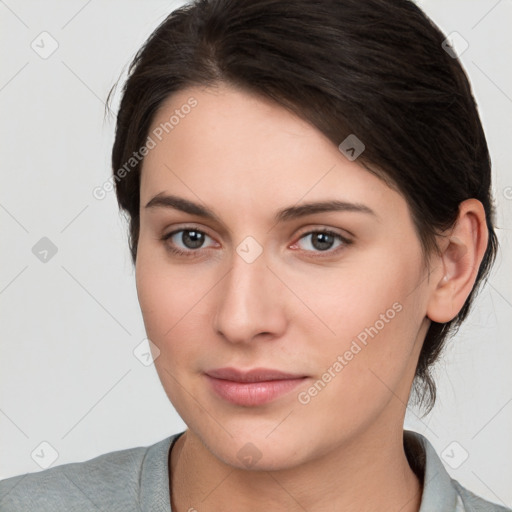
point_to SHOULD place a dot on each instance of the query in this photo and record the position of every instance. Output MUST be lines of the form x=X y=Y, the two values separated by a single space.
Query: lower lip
x=252 y=393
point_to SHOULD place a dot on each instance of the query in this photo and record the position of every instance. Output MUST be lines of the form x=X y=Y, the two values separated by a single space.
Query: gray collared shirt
x=137 y=479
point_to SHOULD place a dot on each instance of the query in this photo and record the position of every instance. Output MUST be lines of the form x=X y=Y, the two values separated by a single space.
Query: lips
x=254 y=375
x=252 y=387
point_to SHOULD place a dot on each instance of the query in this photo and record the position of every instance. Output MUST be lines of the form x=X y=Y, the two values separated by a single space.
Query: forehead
x=236 y=126
x=233 y=145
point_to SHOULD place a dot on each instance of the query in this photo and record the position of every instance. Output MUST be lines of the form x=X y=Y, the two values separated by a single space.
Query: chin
x=250 y=450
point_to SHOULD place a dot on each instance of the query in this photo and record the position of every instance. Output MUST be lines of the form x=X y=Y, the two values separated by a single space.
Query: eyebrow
x=286 y=214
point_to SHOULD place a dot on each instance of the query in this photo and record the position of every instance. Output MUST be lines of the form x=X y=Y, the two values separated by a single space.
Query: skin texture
x=294 y=308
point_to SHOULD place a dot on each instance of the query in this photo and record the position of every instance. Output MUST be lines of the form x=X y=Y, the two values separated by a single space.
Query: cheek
x=365 y=290
x=371 y=314
x=356 y=380
x=172 y=303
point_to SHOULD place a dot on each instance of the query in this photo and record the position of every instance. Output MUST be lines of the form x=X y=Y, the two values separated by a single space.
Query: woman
x=309 y=221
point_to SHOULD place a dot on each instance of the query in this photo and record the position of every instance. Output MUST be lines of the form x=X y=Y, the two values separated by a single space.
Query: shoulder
x=111 y=481
x=473 y=503
x=440 y=490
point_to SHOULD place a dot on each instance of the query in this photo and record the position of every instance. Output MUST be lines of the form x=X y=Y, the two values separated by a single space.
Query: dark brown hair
x=373 y=68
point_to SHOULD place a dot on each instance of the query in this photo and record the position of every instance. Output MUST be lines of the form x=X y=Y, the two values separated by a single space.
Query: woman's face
x=261 y=285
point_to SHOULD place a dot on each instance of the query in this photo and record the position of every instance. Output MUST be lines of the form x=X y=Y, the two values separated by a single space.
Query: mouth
x=253 y=387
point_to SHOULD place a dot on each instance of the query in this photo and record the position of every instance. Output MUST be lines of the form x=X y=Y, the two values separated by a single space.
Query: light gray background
x=69 y=326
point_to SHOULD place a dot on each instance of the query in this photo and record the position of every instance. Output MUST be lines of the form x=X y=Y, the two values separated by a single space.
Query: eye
x=322 y=241
x=189 y=241
x=185 y=241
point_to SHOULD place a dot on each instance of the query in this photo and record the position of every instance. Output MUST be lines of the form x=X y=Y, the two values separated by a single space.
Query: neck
x=368 y=473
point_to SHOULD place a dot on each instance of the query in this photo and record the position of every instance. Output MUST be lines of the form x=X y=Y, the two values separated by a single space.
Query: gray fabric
x=440 y=492
x=137 y=480
x=123 y=481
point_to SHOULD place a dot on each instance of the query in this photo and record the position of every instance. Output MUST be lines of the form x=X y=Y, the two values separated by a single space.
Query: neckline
x=173 y=442
x=415 y=453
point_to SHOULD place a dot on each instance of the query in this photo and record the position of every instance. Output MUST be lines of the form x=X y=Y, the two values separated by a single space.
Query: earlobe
x=462 y=250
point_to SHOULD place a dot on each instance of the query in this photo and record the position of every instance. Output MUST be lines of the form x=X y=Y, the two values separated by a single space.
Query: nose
x=250 y=303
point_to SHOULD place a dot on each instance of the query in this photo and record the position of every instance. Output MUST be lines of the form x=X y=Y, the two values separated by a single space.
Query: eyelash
x=319 y=254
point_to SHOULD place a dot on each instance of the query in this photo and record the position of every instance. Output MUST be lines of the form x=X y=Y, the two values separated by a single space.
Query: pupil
x=322 y=241
x=192 y=239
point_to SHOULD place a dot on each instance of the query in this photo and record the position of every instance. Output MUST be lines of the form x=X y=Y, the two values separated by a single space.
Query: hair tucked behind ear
x=374 y=68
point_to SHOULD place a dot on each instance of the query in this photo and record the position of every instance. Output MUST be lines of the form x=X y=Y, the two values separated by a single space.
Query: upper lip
x=252 y=375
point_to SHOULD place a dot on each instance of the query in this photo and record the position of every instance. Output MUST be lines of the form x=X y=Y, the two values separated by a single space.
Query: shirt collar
x=439 y=492
x=154 y=477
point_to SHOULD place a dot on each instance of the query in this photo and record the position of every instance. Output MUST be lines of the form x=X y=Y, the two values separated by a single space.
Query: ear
x=462 y=250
